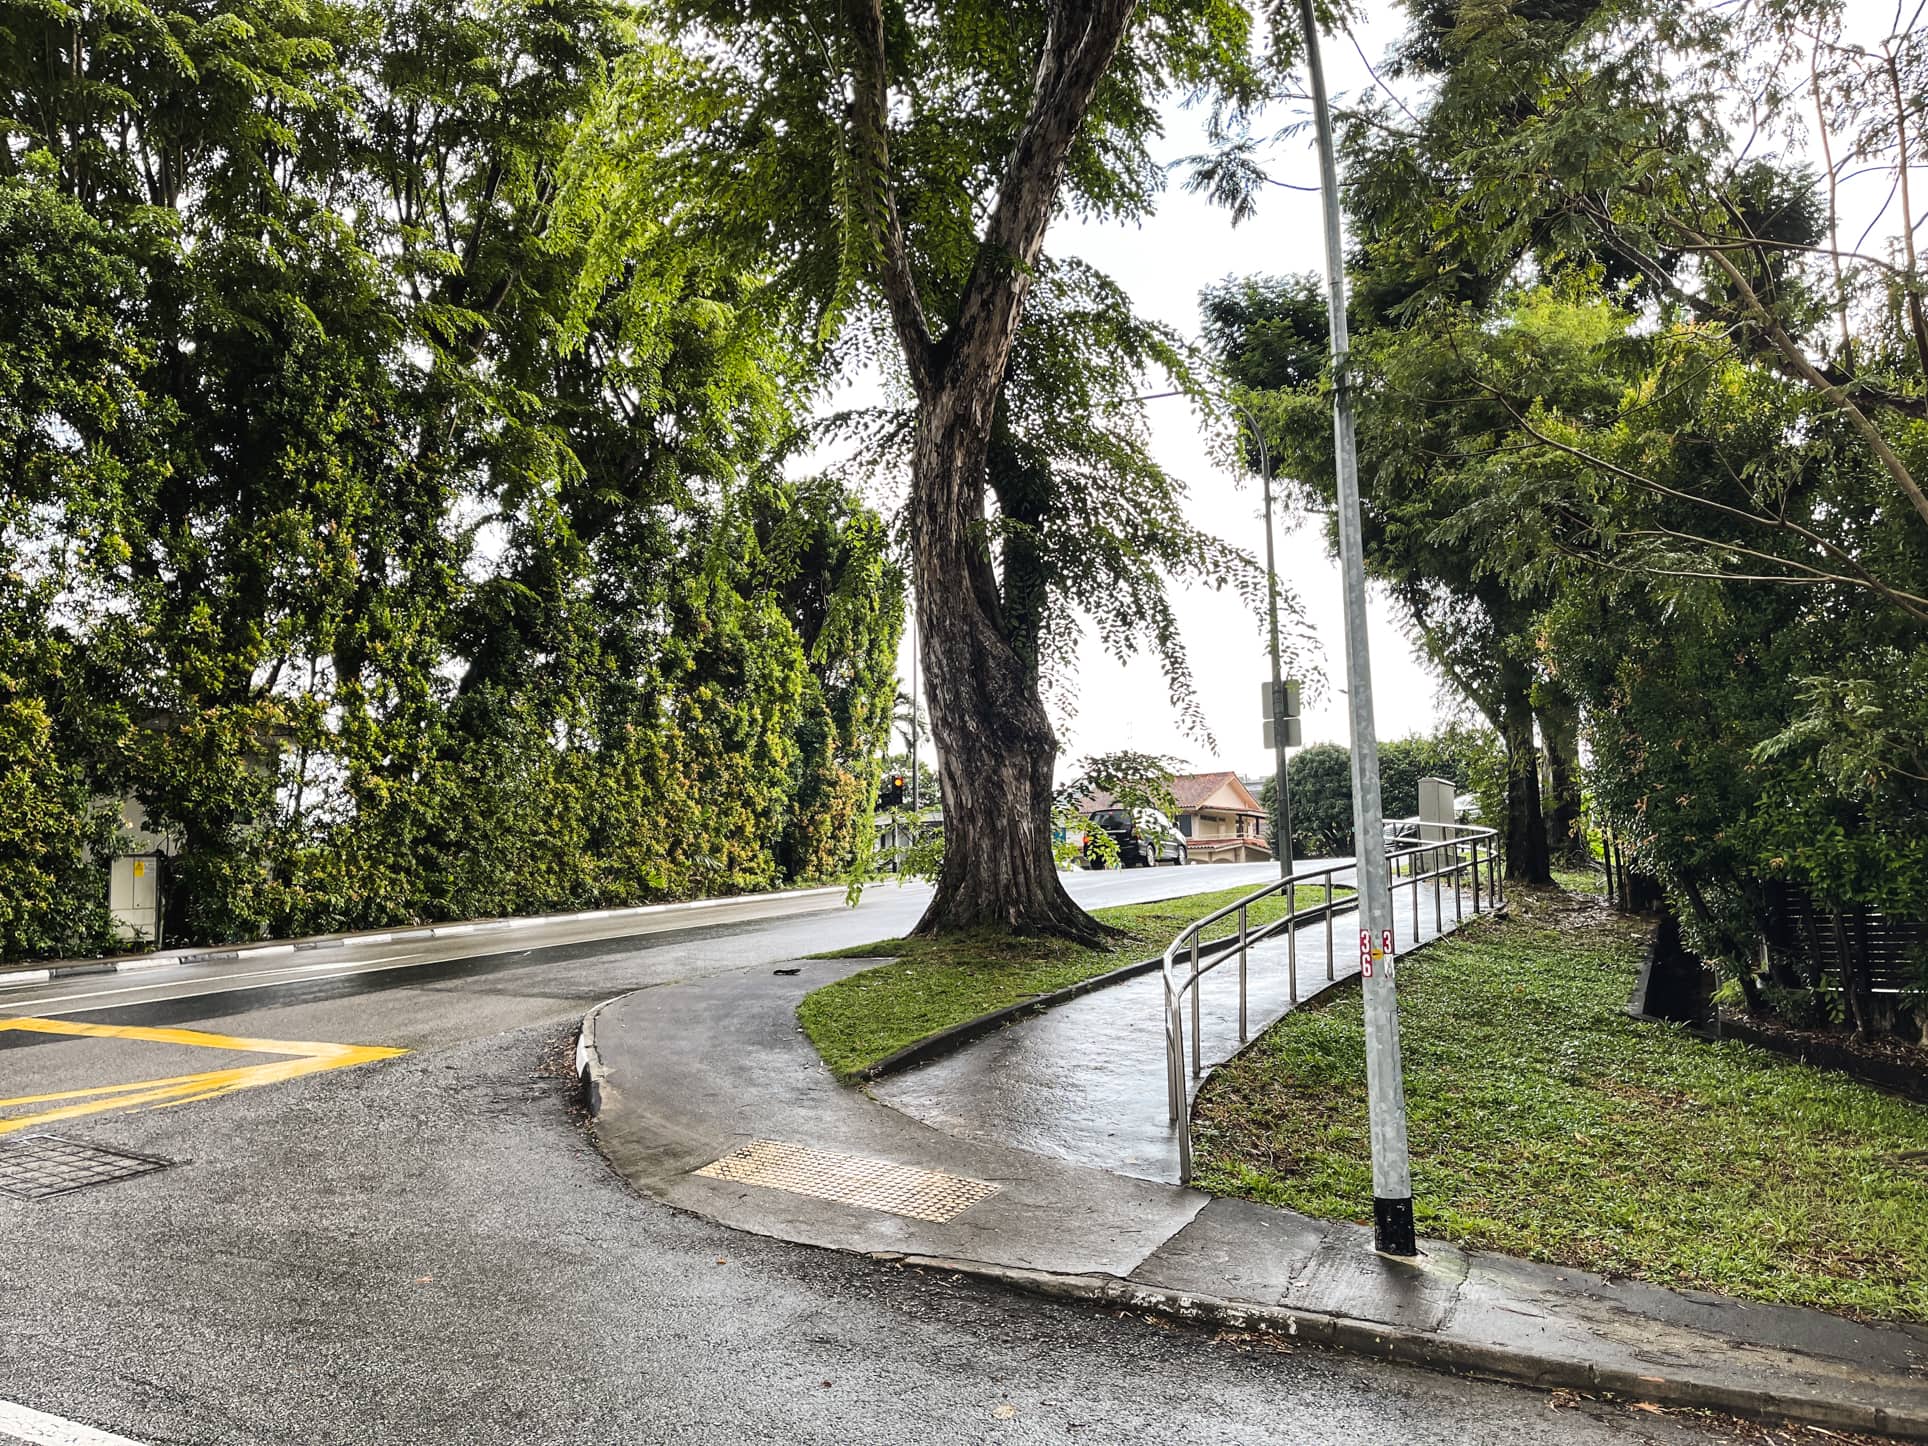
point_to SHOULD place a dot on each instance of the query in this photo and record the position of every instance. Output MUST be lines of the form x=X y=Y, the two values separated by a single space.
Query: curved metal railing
x=1416 y=851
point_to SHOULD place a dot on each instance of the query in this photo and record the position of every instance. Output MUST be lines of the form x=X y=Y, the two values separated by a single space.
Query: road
x=384 y=1222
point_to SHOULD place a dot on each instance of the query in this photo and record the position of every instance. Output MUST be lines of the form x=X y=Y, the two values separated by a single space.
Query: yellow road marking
x=298 y=1057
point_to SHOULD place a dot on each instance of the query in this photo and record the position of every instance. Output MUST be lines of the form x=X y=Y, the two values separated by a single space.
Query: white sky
x=1164 y=265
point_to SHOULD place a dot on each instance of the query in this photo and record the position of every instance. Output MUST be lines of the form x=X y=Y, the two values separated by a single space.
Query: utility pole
x=1392 y=1190
x=1281 y=724
x=1275 y=712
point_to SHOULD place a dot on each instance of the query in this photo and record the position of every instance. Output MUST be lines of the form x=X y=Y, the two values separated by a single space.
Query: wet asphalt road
x=428 y=1249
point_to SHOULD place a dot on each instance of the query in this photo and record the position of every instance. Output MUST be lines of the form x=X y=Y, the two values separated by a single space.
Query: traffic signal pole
x=1392 y=1191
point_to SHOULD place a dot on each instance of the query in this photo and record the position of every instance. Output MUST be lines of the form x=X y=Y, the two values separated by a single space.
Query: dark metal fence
x=1828 y=948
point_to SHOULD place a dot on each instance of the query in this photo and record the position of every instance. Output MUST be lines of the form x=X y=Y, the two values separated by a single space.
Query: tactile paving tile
x=851 y=1180
x=35 y=1166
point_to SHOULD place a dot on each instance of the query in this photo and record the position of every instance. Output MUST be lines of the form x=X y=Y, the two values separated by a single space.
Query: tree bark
x=1560 y=739
x=996 y=749
x=1851 y=979
x=995 y=746
x=1527 y=860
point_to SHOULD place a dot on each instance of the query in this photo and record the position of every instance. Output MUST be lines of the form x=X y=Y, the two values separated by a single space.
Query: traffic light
x=891 y=794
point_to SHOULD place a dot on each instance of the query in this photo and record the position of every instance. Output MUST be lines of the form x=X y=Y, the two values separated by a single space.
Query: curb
x=1411 y=1347
x=168 y=958
x=949 y=1041
x=590 y=1070
x=1401 y=1344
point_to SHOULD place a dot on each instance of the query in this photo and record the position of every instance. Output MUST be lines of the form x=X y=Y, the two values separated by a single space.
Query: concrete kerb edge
x=1409 y=1346
x=949 y=1041
x=590 y=1070
x=167 y=958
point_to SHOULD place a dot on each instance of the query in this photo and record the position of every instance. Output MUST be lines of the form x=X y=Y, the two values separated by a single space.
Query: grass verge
x=932 y=984
x=1548 y=1124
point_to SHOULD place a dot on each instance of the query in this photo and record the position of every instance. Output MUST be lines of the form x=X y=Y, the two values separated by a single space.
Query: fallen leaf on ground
x=1005 y=1412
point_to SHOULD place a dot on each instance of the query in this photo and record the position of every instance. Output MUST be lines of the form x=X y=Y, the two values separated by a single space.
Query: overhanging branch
x=1080 y=40
x=877 y=194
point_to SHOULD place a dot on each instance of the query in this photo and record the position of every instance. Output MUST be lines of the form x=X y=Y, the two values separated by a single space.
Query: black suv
x=1144 y=840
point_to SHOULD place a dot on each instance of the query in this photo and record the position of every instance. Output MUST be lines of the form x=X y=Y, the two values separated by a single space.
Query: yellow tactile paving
x=297 y=1058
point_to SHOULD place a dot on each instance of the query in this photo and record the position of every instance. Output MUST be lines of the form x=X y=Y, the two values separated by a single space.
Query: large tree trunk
x=1560 y=738
x=996 y=749
x=1527 y=861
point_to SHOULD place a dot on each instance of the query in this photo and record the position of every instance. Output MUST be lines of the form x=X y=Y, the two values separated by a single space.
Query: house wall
x=1214 y=823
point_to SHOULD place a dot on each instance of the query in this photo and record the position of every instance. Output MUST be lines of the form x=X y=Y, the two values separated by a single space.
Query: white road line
x=18 y=1423
x=165 y=991
x=340 y=966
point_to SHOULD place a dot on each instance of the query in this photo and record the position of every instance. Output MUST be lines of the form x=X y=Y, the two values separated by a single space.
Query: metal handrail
x=1459 y=845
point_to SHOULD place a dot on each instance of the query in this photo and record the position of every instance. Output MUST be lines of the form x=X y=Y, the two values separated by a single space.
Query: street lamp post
x=1392 y=1191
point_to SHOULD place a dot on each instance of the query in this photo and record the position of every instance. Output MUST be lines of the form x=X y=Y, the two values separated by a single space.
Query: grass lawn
x=932 y=984
x=1546 y=1123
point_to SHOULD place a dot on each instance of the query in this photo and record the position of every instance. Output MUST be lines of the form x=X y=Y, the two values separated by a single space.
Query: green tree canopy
x=402 y=540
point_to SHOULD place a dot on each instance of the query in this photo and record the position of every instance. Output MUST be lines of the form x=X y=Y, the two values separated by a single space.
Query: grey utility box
x=1435 y=808
x=134 y=898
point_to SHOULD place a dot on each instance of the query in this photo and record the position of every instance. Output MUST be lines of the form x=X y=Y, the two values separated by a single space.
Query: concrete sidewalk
x=708 y=1096
x=1085 y=1080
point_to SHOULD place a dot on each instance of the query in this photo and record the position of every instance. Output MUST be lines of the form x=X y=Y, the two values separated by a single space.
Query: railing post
x=1476 y=878
x=1291 y=943
x=1459 y=869
x=1241 y=973
x=1174 y=1057
x=1328 y=926
x=1415 y=901
x=1439 y=908
x=1194 y=1007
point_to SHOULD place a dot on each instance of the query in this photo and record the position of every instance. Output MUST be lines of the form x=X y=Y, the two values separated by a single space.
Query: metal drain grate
x=851 y=1180
x=35 y=1166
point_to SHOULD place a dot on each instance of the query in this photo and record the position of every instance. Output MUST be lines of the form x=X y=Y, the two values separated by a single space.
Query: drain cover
x=35 y=1166
x=850 y=1180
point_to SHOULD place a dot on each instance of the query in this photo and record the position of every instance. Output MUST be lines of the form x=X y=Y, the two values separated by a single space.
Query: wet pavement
x=426 y=1249
x=1085 y=1081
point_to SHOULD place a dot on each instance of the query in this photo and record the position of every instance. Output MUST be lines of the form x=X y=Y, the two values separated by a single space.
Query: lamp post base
x=1392 y=1226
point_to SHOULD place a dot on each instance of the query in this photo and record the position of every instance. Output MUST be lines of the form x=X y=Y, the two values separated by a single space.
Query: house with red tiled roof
x=1220 y=820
